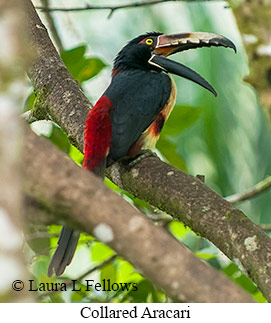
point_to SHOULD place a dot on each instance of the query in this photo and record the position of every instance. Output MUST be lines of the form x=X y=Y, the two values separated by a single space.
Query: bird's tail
x=62 y=257
x=68 y=238
x=97 y=143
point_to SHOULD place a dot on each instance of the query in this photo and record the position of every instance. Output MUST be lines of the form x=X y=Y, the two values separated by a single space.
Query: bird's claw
x=143 y=154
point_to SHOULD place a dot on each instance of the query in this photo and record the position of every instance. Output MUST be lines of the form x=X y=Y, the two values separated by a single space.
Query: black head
x=137 y=52
x=149 y=52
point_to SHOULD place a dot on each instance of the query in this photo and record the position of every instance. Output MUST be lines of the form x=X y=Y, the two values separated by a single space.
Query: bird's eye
x=149 y=41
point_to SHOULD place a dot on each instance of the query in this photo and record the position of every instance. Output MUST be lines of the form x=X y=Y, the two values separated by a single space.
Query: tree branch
x=113 y=8
x=190 y=201
x=81 y=200
x=259 y=188
x=52 y=26
x=55 y=88
x=181 y=195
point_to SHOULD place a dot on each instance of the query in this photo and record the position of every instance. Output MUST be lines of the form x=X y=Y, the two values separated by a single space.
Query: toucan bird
x=130 y=114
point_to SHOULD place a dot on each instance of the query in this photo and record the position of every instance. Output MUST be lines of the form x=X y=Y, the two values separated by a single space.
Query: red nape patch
x=115 y=72
x=98 y=133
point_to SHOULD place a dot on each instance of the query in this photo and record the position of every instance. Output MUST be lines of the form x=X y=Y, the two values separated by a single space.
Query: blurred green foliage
x=225 y=138
x=81 y=67
x=181 y=118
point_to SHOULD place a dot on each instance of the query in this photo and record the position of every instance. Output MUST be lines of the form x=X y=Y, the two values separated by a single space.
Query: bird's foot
x=143 y=154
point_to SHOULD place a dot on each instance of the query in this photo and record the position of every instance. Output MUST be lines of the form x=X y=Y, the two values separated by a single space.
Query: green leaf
x=246 y=283
x=76 y=155
x=53 y=132
x=234 y=273
x=59 y=138
x=181 y=118
x=231 y=269
x=259 y=297
x=192 y=241
x=77 y=296
x=125 y=271
x=91 y=67
x=178 y=229
x=109 y=272
x=40 y=268
x=40 y=245
x=144 y=290
x=81 y=67
x=73 y=55
x=29 y=102
x=100 y=252
x=169 y=150
x=74 y=58
x=204 y=256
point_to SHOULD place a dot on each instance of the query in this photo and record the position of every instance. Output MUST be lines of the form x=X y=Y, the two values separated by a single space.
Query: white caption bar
x=83 y=312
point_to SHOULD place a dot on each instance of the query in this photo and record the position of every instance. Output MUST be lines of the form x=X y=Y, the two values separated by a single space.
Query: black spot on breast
x=159 y=122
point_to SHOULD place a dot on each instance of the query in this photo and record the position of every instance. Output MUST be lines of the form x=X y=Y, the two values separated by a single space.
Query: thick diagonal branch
x=82 y=200
x=173 y=191
x=189 y=200
x=58 y=94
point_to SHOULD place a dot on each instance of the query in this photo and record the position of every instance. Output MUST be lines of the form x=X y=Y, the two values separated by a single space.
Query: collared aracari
x=130 y=114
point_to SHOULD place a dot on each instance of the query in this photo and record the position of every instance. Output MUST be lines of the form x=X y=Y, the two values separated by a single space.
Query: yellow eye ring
x=149 y=41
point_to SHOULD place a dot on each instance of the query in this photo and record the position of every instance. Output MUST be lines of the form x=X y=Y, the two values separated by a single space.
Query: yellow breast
x=151 y=135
